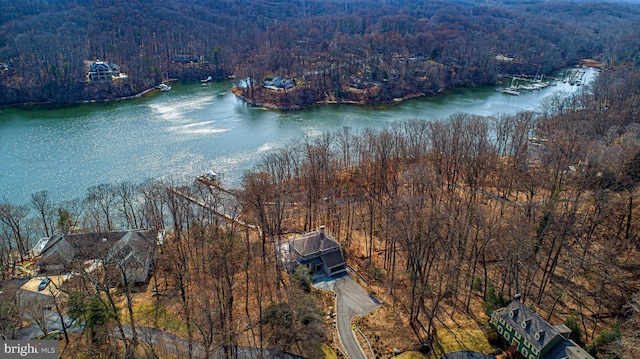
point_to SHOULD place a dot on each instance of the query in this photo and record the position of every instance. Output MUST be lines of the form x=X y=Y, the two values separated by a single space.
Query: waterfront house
x=104 y=71
x=132 y=256
x=129 y=252
x=317 y=250
x=532 y=336
x=278 y=83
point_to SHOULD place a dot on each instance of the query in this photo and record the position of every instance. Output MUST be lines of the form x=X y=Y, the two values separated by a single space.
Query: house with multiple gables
x=532 y=336
x=317 y=250
x=104 y=71
x=278 y=83
x=130 y=253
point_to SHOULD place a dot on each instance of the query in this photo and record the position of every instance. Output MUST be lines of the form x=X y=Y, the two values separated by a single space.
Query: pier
x=528 y=83
x=574 y=77
x=212 y=209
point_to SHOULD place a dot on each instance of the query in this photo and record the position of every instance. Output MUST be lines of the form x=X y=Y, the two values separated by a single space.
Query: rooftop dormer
x=513 y=314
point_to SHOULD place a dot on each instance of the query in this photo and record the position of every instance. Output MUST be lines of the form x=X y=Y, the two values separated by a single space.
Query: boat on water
x=510 y=91
x=163 y=87
x=211 y=174
x=208 y=79
x=529 y=87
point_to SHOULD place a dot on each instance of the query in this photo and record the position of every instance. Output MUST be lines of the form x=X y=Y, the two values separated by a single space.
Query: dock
x=212 y=209
x=574 y=77
x=528 y=83
x=213 y=183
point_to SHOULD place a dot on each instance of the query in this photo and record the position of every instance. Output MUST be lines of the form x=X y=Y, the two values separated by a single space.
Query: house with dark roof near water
x=317 y=250
x=532 y=336
x=129 y=252
x=132 y=256
x=103 y=71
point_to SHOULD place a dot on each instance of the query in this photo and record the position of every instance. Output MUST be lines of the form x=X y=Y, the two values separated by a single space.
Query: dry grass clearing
x=386 y=331
x=467 y=336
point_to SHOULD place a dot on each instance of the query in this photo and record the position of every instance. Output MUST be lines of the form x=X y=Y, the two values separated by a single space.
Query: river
x=191 y=129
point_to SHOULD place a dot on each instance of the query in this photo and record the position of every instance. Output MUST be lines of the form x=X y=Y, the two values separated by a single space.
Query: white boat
x=163 y=87
x=539 y=85
x=208 y=79
x=529 y=87
x=210 y=174
x=509 y=91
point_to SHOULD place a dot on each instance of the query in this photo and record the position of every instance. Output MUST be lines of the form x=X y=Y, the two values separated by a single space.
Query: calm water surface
x=193 y=128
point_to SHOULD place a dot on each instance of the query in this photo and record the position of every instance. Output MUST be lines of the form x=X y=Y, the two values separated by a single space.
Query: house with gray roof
x=103 y=71
x=317 y=250
x=132 y=256
x=130 y=252
x=532 y=336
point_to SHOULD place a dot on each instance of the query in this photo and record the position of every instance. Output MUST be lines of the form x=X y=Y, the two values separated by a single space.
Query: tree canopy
x=367 y=51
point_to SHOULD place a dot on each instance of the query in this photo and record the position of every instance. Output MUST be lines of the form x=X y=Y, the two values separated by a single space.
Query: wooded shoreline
x=238 y=93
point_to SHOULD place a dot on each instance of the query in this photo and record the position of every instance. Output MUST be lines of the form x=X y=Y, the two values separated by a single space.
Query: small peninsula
x=301 y=96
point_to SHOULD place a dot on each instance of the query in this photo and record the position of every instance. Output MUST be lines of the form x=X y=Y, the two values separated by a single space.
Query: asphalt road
x=352 y=300
x=165 y=342
x=52 y=320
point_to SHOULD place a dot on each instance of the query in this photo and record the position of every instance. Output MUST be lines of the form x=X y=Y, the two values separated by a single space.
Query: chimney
x=321 y=229
x=516 y=296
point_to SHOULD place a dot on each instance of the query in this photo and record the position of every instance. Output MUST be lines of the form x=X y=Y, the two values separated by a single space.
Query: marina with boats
x=574 y=77
x=527 y=83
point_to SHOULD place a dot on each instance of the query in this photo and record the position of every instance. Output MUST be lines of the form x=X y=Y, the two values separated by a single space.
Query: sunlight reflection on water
x=193 y=128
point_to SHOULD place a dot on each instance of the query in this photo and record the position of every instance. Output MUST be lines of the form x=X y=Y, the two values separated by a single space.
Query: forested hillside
x=362 y=51
x=447 y=219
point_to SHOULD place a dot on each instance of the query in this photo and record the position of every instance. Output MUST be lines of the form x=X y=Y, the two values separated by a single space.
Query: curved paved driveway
x=351 y=300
